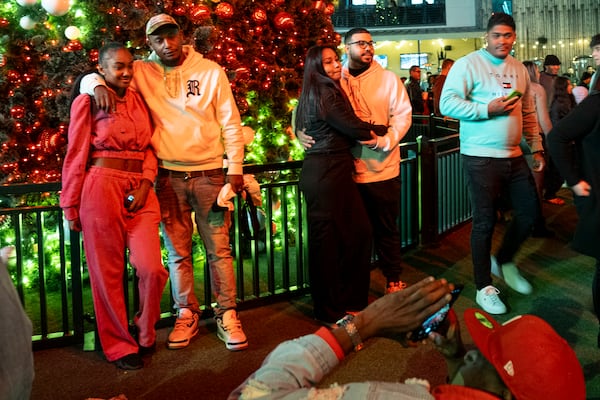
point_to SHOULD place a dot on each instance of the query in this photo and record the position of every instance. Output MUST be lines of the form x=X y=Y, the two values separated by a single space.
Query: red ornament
x=283 y=20
x=179 y=11
x=242 y=105
x=242 y=74
x=329 y=9
x=224 y=10
x=259 y=16
x=13 y=76
x=199 y=13
x=4 y=23
x=73 y=45
x=17 y=112
x=93 y=55
x=230 y=58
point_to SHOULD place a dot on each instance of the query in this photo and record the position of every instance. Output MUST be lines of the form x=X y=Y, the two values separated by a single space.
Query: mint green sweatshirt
x=475 y=80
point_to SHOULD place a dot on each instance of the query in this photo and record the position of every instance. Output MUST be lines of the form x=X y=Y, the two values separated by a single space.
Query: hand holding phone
x=514 y=93
x=433 y=322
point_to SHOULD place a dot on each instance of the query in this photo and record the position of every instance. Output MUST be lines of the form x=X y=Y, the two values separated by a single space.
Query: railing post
x=429 y=195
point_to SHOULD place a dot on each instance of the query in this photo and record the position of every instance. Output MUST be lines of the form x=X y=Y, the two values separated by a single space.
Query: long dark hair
x=559 y=90
x=314 y=82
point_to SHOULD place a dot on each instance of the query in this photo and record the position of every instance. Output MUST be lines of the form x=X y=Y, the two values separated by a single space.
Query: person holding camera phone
x=107 y=181
x=523 y=358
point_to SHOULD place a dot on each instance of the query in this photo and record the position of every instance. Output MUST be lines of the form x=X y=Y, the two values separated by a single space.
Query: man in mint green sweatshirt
x=488 y=91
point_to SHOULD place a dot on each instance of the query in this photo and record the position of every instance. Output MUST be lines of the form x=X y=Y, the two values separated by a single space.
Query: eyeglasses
x=363 y=44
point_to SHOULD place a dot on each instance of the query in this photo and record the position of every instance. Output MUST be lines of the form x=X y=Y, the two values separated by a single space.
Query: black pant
x=339 y=236
x=382 y=201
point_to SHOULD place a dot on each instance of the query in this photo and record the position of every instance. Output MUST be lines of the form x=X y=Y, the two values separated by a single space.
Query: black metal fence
x=50 y=273
x=444 y=195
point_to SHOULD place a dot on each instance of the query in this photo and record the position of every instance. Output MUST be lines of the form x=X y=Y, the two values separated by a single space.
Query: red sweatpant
x=108 y=229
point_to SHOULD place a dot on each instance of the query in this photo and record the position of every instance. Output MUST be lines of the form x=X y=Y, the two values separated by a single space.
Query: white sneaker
x=186 y=327
x=496 y=270
x=488 y=299
x=511 y=275
x=229 y=330
x=514 y=279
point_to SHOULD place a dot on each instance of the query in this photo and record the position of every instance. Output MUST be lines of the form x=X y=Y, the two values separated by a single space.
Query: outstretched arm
x=300 y=364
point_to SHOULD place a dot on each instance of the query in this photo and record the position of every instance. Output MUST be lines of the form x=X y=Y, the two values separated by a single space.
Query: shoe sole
x=233 y=346
x=489 y=311
x=181 y=344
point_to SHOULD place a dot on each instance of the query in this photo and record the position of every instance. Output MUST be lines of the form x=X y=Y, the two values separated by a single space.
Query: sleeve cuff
x=235 y=169
x=328 y=337
x=71 y=213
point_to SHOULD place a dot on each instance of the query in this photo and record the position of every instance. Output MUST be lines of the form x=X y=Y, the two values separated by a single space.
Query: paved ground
x=206 y=370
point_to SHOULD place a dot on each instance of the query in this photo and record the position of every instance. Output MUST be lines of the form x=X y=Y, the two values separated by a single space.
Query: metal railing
x=445 y=199
x=50 y=272
x=392 y=16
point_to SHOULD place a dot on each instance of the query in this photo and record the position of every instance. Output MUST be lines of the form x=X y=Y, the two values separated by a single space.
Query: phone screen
x=434 y=321
x=513 y=94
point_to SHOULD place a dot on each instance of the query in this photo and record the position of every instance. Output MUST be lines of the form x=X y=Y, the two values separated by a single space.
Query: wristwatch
x=348 y=324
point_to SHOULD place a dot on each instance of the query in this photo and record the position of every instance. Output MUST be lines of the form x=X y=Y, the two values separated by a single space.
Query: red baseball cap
x=531 y=358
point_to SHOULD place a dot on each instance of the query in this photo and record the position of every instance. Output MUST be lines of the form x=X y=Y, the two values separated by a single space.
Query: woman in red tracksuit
x=108 y=176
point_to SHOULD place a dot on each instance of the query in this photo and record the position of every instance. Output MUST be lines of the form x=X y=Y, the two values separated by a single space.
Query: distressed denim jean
x=181 y=199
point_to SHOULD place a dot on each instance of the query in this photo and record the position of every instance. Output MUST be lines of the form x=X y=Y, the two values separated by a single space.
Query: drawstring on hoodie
x=171 y=80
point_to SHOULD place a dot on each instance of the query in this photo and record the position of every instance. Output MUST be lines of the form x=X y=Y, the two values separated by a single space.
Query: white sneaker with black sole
x=186 y=327
x=229 y=330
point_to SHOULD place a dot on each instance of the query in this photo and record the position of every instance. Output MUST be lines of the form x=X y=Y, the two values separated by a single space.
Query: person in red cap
x=523 y=358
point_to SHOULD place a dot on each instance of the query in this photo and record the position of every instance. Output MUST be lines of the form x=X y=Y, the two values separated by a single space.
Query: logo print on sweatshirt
x=193 y=88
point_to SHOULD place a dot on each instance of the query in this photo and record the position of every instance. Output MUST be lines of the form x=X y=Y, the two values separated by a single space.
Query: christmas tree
x=45 y=45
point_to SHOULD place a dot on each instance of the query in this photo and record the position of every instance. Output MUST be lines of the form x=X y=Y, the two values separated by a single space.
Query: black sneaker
x=130 y=362
x=146 y=350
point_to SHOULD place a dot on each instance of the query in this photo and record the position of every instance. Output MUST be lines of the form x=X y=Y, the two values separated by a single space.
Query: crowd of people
x=144 y=157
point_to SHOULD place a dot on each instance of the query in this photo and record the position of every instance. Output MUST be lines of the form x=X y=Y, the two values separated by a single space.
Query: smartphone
x=514 y=93
x=432 y=323
x=128 y=200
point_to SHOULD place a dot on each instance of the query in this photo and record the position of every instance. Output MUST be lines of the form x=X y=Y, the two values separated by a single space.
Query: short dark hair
x=501 y=19
x=595 y=40
x=351 y=32
x=584 y=76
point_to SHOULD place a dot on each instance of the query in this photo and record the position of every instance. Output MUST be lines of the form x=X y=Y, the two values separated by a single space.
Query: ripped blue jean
x=178 y=198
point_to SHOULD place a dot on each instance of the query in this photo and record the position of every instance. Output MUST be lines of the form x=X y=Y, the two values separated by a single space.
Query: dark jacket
x=338 y=128
x=560 y=107
x=415 y=93
x=582 y=125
